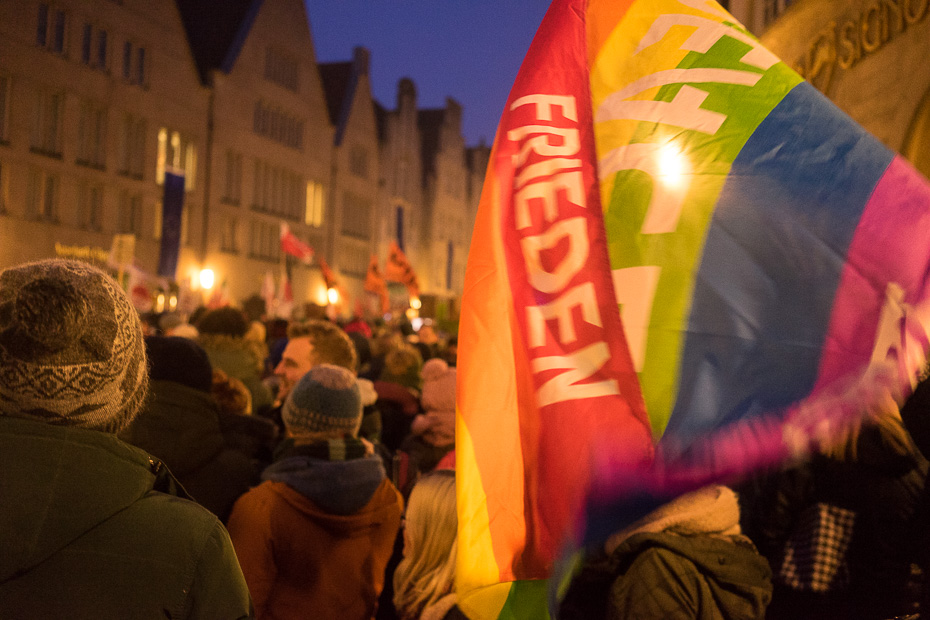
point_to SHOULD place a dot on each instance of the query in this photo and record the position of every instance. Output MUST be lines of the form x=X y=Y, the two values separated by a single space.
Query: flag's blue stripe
x=772 y=260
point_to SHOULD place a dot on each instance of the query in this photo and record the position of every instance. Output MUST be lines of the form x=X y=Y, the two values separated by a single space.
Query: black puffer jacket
x=180 y=426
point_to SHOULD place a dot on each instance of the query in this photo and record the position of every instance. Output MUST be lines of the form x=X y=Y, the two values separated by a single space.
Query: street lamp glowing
x=206 y=279
x=333 y=296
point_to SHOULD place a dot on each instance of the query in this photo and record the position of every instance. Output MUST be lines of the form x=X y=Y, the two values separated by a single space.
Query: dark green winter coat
x=93 y=528
x=665 y=576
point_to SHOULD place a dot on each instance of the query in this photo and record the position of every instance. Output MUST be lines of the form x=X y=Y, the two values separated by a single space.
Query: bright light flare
x=333 y=296
x=673 y=166
x=207 y=278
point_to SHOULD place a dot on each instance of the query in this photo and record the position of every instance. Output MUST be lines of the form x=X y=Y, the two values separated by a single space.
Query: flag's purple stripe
x=772 y=262
x=890 y=245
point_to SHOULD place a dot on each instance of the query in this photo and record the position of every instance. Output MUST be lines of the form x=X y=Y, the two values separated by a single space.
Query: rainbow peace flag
x=687 y=264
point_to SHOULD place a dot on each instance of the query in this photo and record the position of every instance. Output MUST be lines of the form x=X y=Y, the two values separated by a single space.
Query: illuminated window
x=313 y=212
x=190 y=166
x=162 y=156
x=175 y=153
x=178 y=154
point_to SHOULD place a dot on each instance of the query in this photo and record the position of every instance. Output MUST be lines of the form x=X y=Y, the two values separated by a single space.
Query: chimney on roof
x=361 y=58
x=406 y=90
x=454 y=110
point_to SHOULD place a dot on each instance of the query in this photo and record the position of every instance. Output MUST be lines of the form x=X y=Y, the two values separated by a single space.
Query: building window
x=229 y=242
x=277 y=191
x=132 y=147
x=450 y=264
x=4 y=107
x=233 y=190
x=313 y=207
x=133 y=63
x=129 y=218
x=42 y=25
x=281 y=69
x=140 y=73
x=52 y=28
x=90 y=207
x=46 y=123
x=264 y=241
x=358 y=162
x=87 y=38
x=42 y=196
x=399 y=224
x=92 y=133
x=177 y=152
x=127 y=61
x=356 y=216
x=277 y=125
x=101 y=50
x=4 y=187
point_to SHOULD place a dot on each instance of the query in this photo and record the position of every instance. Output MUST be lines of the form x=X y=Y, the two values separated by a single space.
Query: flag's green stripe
x=678 y=253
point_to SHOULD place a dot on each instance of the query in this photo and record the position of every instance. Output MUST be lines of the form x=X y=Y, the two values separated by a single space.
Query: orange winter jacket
x=302 y=562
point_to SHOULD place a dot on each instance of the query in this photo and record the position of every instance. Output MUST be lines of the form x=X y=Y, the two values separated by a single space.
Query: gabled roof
x=336 y=77
x=430 y=123
x=216 y=31
x=381 y=119
x=340 y=84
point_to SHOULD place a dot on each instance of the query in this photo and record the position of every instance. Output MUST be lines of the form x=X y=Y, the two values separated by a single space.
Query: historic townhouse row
x=98 y=98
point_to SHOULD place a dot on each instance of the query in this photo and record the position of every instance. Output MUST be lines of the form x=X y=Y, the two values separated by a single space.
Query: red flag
x=374 y=283
x=290 y=244
x=328 y=276
x=398 y=269
x=284 y=302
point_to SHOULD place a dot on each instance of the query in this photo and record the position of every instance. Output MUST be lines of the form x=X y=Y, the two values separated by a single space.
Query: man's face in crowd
x=295 y=363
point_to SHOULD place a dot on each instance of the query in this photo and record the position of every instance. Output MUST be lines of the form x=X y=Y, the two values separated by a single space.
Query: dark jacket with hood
x=91 y=527
x=180 y=426
x=315 y=537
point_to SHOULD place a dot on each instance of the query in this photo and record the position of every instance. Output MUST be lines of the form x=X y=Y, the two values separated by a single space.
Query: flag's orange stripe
x=601 y=19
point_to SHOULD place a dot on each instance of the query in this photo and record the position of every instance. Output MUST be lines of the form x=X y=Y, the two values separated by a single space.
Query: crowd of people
x=227 y=465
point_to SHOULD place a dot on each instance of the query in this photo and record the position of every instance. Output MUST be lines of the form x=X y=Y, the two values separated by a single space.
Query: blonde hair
x=425 y=574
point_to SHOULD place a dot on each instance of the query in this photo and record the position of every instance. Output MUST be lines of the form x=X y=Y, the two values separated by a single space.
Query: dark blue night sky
x=469 y=50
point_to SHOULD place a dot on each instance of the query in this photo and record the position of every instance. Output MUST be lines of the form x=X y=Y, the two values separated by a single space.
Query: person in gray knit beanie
x=326 y=402
x=73 y=373
x=71 y=348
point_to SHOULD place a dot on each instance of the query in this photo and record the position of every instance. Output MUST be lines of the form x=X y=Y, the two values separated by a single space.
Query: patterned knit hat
x=325 y=400
x=71 y=349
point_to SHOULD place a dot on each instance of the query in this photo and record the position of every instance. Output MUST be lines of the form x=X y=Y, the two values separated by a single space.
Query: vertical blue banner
x=172 y=207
